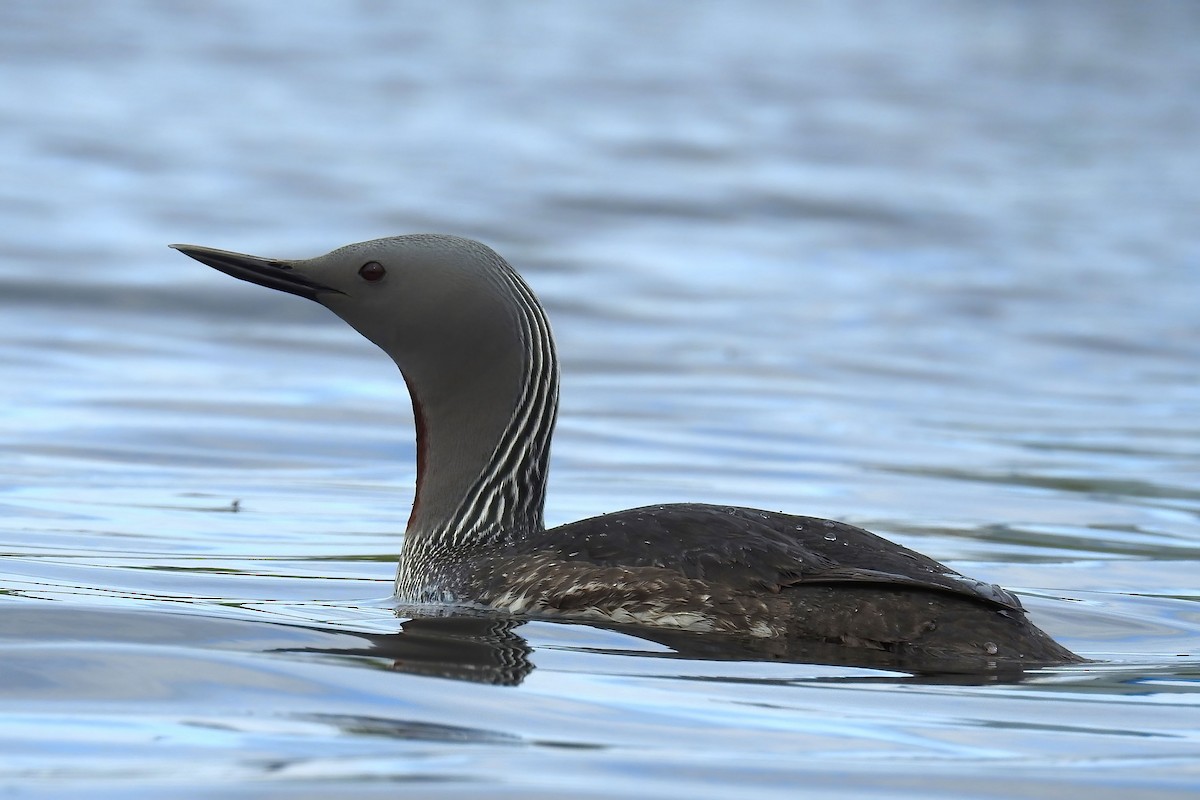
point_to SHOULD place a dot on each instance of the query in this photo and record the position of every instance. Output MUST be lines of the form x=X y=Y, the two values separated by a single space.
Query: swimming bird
x=475 y=349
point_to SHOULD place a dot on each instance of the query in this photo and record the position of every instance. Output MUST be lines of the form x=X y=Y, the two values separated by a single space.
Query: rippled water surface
x=933 y=269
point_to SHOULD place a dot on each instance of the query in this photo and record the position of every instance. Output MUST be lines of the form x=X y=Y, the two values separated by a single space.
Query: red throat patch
x=419 y=422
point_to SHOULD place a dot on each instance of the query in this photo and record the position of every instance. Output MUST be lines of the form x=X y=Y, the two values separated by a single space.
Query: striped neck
x=484 y=426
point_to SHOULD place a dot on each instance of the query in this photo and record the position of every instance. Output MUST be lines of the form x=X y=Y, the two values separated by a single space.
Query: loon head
x=476 y=352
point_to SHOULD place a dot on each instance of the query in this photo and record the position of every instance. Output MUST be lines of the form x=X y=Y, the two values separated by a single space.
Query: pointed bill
x=272 y=273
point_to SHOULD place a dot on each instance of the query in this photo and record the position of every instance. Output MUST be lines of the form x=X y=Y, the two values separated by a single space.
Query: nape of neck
x=483 y=446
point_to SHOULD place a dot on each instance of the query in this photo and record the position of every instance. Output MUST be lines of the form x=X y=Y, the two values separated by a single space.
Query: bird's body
x=476 y=352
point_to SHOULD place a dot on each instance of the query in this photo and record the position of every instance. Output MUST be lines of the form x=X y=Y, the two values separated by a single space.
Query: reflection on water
x=934 y=275
x=322 y=701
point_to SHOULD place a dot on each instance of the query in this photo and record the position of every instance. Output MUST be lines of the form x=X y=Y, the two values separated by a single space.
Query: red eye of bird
x=372 y=271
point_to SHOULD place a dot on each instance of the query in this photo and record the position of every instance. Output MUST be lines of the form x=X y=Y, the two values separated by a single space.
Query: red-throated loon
x=476 y=352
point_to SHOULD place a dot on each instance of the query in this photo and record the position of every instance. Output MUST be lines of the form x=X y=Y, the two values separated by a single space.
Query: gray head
x=477 y=355
x=425 y=299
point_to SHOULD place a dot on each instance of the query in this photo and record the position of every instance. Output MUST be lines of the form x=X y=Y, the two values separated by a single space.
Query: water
x=929 y=269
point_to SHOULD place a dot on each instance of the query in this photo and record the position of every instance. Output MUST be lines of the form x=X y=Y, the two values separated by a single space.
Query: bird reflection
x=482 y=649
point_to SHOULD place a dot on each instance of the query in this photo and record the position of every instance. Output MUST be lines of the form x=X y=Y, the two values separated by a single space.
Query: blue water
x=932 y=269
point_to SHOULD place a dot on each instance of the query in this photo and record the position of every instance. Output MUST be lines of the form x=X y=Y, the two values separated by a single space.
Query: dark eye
x=372 y=271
